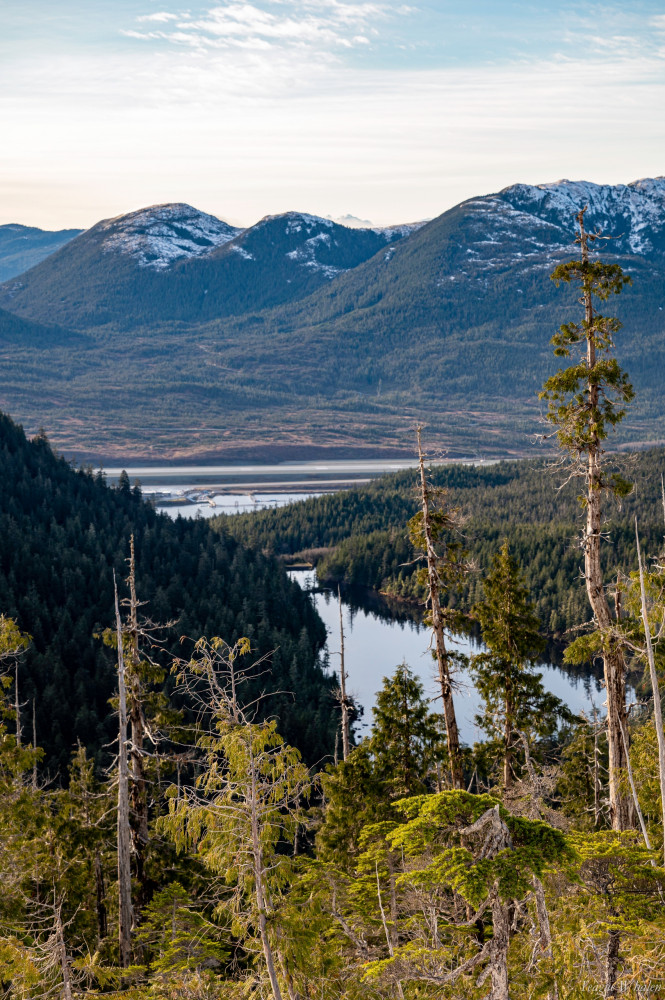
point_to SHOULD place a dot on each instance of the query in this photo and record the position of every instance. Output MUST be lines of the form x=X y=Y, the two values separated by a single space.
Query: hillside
x=174 y=263
x=364 y=530
x=63 y=532
x=22 y=247
x=449 y=324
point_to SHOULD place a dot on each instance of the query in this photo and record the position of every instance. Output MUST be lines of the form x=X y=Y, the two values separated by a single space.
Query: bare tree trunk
x=636 y=801
x=138 y=786
x=124 y=870
x=63 y=956
x=259 y=875
x=34 y=747
x=497 y=839
x=433 y=584
x=498 y=966
x=612 y=964
x=102 y=923
x=657 y=709
x=288 y=978
x=346 y=728
x=614 y=666
x=596 y=772
x=389 y=934
x=17 y=707
x=545 y=932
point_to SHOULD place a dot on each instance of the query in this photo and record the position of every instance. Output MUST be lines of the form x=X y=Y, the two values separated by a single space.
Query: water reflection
x=378 y=636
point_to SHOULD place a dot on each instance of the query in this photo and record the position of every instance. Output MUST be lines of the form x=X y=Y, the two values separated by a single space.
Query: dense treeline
x=63 y=533
x=519 y=501
x=377 y=878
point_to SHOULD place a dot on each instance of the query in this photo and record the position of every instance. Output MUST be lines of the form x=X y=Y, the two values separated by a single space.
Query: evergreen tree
x=586 y=400
x=245 y=805
x=406 y=741
x=513 y=695
x=401 y=757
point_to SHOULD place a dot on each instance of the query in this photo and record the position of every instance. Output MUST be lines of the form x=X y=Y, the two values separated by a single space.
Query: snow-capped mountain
x=172 y=262
x=158 y=236
x=399 y=232
x=539 y=221
x=449 y=321
x=320 y=248
x=634 y=214
x=351 y=221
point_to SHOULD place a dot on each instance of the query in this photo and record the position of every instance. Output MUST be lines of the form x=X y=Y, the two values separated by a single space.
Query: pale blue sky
x=390 y=111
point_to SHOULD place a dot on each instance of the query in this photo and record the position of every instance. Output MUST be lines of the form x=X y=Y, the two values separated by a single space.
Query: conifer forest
x=186 y=807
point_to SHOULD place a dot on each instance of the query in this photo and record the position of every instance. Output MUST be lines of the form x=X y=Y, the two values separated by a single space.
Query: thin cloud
x=320 y=26
x=161 y=16
x=283 y=105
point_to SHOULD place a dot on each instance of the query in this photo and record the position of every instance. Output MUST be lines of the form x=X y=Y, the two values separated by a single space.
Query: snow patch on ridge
x=533 y=227
x=305 y=255
x=635 y=211
x=390 y=232
x=241 y=250
x=159 y=236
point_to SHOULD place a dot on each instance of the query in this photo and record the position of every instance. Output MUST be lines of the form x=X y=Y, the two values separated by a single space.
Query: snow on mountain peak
x=636 y=209
x=296 y=222
x=162 y=234
x=403 y=230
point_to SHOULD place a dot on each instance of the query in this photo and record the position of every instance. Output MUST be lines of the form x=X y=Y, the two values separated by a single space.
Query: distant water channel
x=376 y=641
x=207 y=490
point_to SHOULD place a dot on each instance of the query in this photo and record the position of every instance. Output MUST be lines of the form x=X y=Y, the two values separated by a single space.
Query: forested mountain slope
x=63 y=532
x=173 y=263
x=365 y=533
x=449 y=324
x=22 y=247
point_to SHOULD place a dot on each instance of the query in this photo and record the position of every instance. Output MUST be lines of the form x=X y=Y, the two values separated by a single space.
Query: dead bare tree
x=124 y=838
x=344 y=701
x=138 y=789
x=434 y=584
x=657 y=708
x=245 y=804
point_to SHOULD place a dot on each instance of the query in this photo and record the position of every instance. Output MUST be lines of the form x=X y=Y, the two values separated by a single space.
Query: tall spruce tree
x=406 y=739
x=586 y=400
x=399 y=759
x=512 y=691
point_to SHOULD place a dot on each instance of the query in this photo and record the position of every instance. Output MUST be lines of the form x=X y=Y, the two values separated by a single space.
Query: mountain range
x=171 y=262
x=168 y=332
x=21 y=247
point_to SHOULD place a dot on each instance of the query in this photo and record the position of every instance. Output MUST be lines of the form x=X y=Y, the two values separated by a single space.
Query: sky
x=389 y=111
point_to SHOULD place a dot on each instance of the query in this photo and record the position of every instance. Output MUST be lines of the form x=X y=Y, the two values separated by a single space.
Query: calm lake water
x=378 y=636
x=375 y=643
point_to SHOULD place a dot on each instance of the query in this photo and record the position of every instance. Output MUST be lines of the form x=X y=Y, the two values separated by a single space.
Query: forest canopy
x=63 y=532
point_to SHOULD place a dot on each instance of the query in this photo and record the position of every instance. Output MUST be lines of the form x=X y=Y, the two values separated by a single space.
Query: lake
x=375 y=643
x=378 y=635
